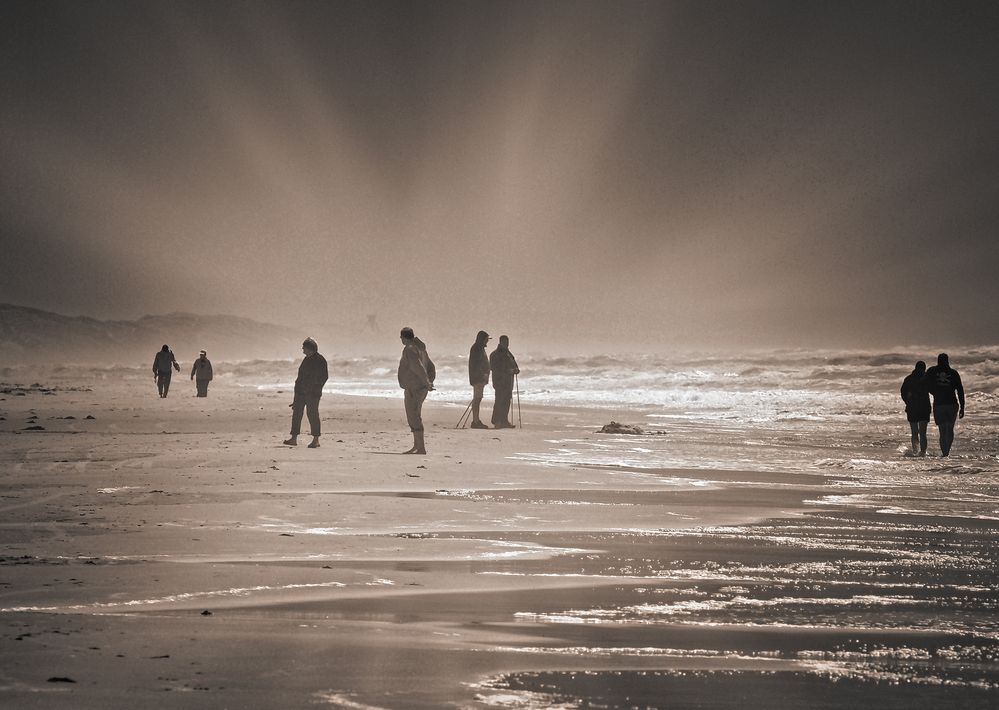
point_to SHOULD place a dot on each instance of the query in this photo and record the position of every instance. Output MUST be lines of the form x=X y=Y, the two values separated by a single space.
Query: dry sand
x=172 y=553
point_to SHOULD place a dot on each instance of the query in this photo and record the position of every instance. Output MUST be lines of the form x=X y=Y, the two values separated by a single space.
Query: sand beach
x=173 y=553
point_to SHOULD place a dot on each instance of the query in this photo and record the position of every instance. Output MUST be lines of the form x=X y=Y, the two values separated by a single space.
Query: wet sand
x=172 y=553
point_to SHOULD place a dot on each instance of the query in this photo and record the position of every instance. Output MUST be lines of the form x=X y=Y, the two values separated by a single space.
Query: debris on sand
x=618 y=428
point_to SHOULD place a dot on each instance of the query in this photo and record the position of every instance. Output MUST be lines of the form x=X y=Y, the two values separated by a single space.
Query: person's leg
x=922 y=438
x=946 y=438
x=165 y=379
x=418 y=443
x=297 y=410
x=501 y=410
x=501 y=407
x=414 y=417
x=945 y=416
x=914 y=428
x=312 y=408
x=159 y=384
x=496 y=417
x=477 y=392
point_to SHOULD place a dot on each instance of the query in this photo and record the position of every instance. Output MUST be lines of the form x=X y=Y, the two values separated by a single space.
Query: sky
x=630 y=175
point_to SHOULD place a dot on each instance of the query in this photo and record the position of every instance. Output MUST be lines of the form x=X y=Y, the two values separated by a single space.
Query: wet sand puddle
x=827 y=609
x=881 y=590
x=837 y=605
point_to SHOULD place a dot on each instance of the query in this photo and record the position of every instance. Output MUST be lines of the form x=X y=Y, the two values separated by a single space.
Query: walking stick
x=516 y=382
x=464 y=417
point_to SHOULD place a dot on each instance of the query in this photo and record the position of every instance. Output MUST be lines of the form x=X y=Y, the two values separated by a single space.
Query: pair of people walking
x=502 y=365
x=201 y=372
x=944 y=383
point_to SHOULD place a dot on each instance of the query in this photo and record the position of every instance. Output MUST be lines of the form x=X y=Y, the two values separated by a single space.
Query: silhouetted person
x=201 y=373
x=312 y=375
x=162 y=363
x=948 y=392
x=416 y=376
x=478 y=375
x=504 y=367
x=916 y=395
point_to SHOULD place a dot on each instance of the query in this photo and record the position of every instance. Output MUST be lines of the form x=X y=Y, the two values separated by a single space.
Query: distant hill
x=29 y=335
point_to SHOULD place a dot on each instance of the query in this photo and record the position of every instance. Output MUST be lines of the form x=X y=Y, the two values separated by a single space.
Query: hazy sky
x=664 y=173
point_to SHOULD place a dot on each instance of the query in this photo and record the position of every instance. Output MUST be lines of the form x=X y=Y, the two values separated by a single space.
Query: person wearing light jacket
x=416 y=378
x=201 y=373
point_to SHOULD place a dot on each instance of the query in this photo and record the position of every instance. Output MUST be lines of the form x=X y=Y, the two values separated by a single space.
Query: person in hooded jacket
x=916 y=395
x=416 y=377
x=312 y=375
x=478 y=375
x=162 y=363
x=201 y=373
x=948 y=399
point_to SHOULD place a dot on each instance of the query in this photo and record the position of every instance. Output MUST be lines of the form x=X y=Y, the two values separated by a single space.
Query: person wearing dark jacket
x=478 y=375
x=201 y=373
x=916 y=395
x=312 y=375
x=416 y=377
x=948 y=392
x=504 y=367
x=162 y=363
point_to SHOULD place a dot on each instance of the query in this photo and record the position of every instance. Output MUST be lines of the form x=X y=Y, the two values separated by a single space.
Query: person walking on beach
x=504 y=366
x=161 y=369
x=416 y=377
x=916 y=395
x=478 y=375
x=948 y=393
x=312 y=375
x=201 y=373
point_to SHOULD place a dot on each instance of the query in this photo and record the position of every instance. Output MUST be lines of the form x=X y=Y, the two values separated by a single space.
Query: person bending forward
x=416 y=378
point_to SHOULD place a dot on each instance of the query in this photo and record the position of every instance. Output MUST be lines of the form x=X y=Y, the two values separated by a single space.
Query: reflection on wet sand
x=245 y=575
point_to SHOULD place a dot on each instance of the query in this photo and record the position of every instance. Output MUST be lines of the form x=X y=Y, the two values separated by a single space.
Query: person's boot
x=315 y=443
x=293 y=441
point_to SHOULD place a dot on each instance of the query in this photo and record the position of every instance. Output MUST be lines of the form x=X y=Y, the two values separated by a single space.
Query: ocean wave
x=787 y=384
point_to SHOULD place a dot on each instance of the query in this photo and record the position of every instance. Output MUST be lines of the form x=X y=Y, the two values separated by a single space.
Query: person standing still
x=201 y=373
x=504 y=366
x=161 y=369
x=478 y=375
x=416 y=377
x=916 y=395
x=948 y=393
x=312 y=375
